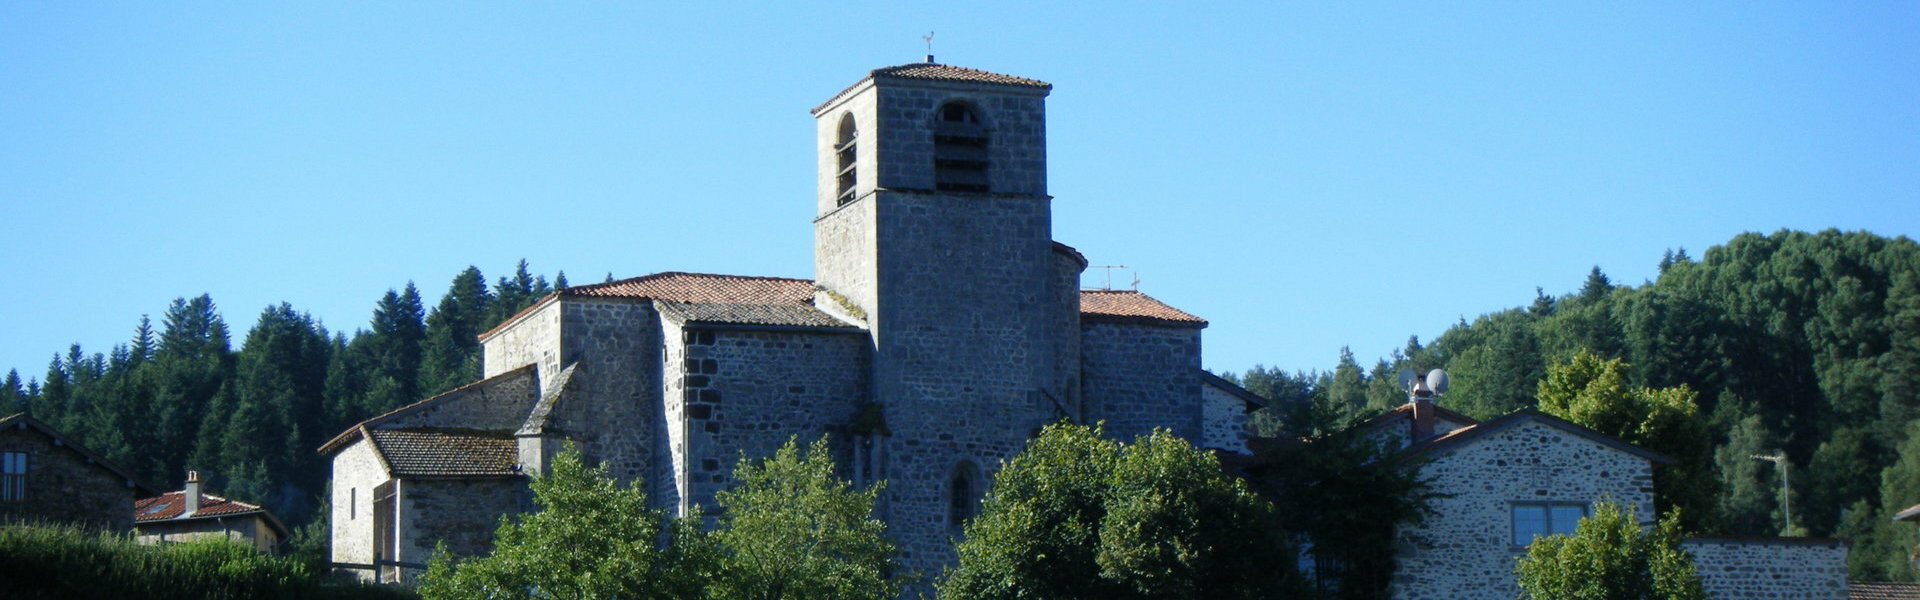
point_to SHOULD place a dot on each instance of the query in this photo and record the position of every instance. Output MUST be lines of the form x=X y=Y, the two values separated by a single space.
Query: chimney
x=191 y=495
x=1422 y=400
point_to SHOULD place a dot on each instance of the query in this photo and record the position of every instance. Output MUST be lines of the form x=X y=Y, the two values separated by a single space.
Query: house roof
x=25 y=421
x=1252 y=399
x=358 y=430
x=1406 y=410
x=169 y=506
x=930 y=71
x=1912 y=513
x=1882 y=590
x=1465 y=435
x=702 y=288
x=1131 y=306
x=437 y=452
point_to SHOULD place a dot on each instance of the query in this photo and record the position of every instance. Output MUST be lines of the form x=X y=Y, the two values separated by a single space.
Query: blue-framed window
x=1539 y=519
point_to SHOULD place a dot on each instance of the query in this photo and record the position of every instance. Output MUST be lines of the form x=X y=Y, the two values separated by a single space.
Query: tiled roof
x=1912 y=513
x=753 y=314
x=354 y=433
x=1253 y=400
x=1132 y=306
x=25 y=421
x=169 y=505
x=702 y=287
x=447 y=452
x=939 y=72
x=1882 y=590
x=1407 y=410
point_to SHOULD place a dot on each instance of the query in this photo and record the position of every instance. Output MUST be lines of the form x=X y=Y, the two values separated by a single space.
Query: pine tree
x=13 y=398
x=192 y=364
x=398 y=331
x=451 y=353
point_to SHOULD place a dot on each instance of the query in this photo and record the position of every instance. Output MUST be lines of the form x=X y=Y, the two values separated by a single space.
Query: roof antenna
x=929 y=38
x=1109 y=268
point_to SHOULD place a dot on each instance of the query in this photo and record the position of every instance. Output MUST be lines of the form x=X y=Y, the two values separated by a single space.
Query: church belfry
x=934 y=227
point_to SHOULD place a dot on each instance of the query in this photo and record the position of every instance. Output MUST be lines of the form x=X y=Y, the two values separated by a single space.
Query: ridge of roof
x=1455 y=438
x=358 y=429
x=24 y=420
x=1406 y=408
x=932 y=71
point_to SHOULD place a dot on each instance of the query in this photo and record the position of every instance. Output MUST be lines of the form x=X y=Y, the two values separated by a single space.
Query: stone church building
x=943 y=328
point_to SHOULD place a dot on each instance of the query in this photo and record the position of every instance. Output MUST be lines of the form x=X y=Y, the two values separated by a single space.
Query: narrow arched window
x=962 y=495
x=845 y=149
x=959 y=150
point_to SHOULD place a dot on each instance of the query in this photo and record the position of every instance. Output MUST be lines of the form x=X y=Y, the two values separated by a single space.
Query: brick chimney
x=1422 y=400
x=191 y=495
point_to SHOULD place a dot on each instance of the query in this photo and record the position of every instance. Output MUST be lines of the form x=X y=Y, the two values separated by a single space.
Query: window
x=1539 y=519
x=959 y=150
x=845 y=150
x=962 y=500
x=13 y=476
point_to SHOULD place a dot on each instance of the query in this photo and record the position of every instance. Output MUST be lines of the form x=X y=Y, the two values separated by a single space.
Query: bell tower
x=933 y=225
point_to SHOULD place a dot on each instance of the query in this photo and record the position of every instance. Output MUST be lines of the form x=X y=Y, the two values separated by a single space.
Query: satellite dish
x=1437 y=381
x=1406 y=378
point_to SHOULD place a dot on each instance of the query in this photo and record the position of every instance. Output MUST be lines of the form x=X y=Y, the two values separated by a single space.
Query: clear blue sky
x=1306 y=176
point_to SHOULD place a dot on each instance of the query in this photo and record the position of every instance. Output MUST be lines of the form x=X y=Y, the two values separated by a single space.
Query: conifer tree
x=451 y=353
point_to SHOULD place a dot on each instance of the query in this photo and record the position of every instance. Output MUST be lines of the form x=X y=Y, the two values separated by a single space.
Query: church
x=943 y=328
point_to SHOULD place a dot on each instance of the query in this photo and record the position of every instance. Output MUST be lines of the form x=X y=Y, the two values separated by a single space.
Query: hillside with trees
x=1794 y=343
x=180 y=397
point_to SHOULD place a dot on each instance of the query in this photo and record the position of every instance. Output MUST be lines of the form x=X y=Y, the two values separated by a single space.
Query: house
x=1504 y=482
x=189 y=514
x=46 y=476
x=943 y=328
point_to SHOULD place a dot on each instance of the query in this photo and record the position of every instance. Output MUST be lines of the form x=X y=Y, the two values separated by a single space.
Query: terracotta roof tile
x=753 y=314
x=939 y=72
x=702 y=287
x=1882 y=590
x=1132 y=306
x=171 y=504
x=446 y=452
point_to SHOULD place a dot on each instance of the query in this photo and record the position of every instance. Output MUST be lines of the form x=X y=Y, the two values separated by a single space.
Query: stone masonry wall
x=499 y=404
x=251 y=530
x=745 y=393
x=1223 y=421
x=461 y=512
x=1757 y=568
x=612 y=405
x=1464 y=551
x=827 y=134
x=356 y=470
x=1063 y=328
x=1139 y=377
x=1015 y=120
x=532 y=339
x=844 y=259
x=963 y=362
x=63 y=486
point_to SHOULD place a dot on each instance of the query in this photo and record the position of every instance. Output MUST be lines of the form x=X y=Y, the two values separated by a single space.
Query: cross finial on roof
x=929 y=38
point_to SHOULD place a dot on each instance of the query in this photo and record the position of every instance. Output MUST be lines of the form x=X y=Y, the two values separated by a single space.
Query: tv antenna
x=1108 y=286
x=1779 y=459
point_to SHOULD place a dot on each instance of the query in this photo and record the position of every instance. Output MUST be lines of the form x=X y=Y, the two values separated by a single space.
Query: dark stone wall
x=63 y=487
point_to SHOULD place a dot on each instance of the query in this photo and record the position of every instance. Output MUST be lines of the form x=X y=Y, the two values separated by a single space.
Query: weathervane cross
x=929 y=38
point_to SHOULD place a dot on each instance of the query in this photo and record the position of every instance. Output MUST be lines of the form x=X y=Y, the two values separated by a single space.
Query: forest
x=1799 y=344
x=1805 y=345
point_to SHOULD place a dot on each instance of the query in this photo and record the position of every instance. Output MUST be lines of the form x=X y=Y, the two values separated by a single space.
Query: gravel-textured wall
x=1767 y=568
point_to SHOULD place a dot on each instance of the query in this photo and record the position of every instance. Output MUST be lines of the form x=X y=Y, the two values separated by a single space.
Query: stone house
x=46 y=476
x=1503 y=482
x=943 y=328
x=190 y=514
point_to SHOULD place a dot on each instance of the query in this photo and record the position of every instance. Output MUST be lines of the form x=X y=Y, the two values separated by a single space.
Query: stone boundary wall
x=1742 y=568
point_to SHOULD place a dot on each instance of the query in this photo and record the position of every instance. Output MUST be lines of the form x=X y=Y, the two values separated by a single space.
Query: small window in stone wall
x=959 y=150
x=13 y=476
x=962 y=496
x=1540 y=519
x=846 y=153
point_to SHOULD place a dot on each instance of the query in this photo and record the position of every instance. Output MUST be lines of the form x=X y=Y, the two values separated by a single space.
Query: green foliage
x=56 y=561
x=1609 y=557
x=1345 y=496
x=1594 y=392
x=590 y=538
x=790 y=529
x=1078 y=516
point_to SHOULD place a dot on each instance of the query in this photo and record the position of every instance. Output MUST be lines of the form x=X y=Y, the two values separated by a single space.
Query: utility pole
x=1779 y=459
